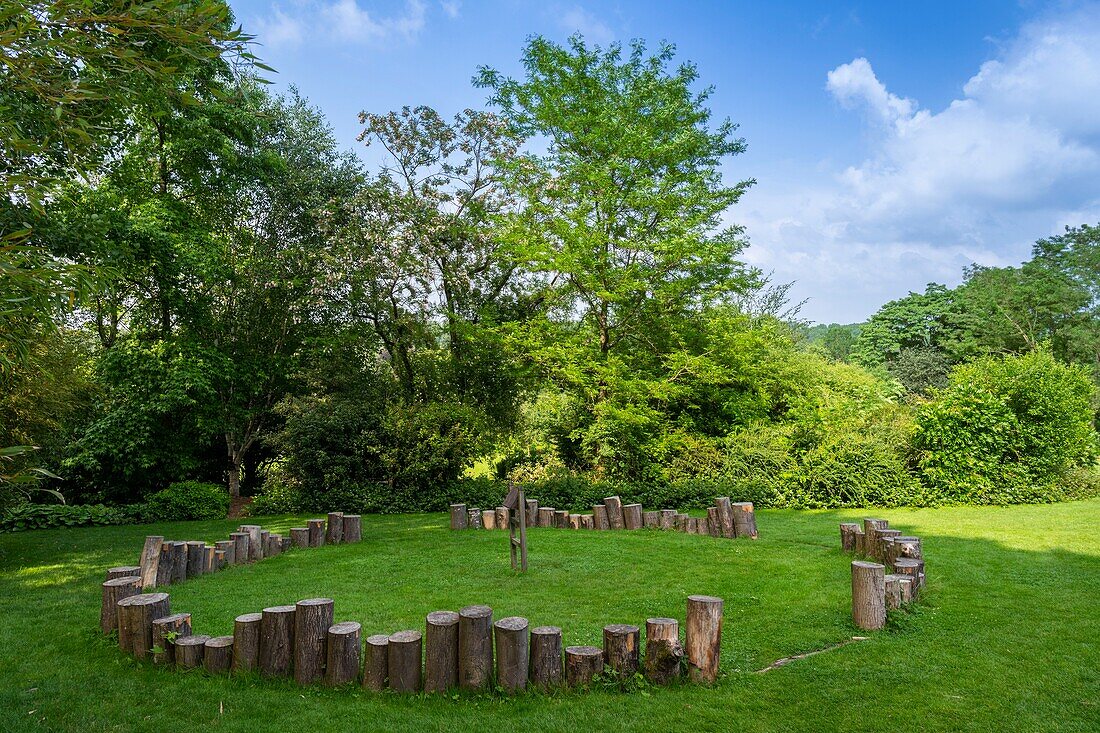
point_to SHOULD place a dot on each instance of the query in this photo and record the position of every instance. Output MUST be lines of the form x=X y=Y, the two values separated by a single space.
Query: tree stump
x=724 y=509
x=663 y=653
x=273 y=544
x=582 y=663
x=139 y=612
x=189 y=650
x=217 y=656
x=334 y=528
x=255 y=541
x=210 y=561
x=165 y=631
x=869 y=527
x=668 y=518
x=576 y=521
x=353 y=528
x=546 y=665
x=546 y=516
x=227 y=547
x=376 y=662
x=123 y=571
x=196 y=559
x=860 y=541
x=651 y=520
x=632 y=516
x=513 y=653
x=502 y=517
x=621 y=644
x=150 y=561
x=179 y=562
x=906 y=589
x=714 y=522
x=488 y=519
x=240 y=547
x=316 y=529
x=342 y=655
x=312 y=619
x=474 y=518
x=165 y=566
x=868 y=595
x=588 y=521
x=475 y=646
x=908 y=547
x=440 y=651
x=880 y=542
x=276 y=640
x=911 y=568
x=703 y=637
x=848 y=536
x=599 y=516
x=299 y=537
x=220 y=561
x=614 y=506
x=561 y=518
x=246 y=642
x=532 y=511
x=744 y=520
x=679 y=522
x=404 y=661
x=893 y=590
x=459 y=520
x=115 y=590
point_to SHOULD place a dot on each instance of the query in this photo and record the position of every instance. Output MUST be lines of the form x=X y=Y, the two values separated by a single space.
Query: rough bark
x=376 y=662
x=599 y=517
x=724 y=509
x=165 y=631
x=179 y=562
x=189 y=650
x=404 y=661
x=115 y=590
x=210 y=560
x=668 y=517
x=246 y=642
x=703 y=636
x=334 y=528
x=911 y=568
x=546 y=664
x=744 y=520
x=561 y=518
x=582 y=663
x=848 y=536
x=140 y=611
x=196 y=559
x=458 y=516
x=614 y=506
x=440 y=651
x=488 y=519
x=632 y=516
x=165 y=567
x=299 y=537
x=240 y=547
x=893 y=590
x=503 y=516
x=869 y=527
x=276 y=640
x=860 y=541
x=663 y=653
x=228 y=547
x=353 y=528
x=513 y=653
x=316 y=529
x=714 y=522
x=546 y=516
x=150 y=560
x=217 y=656
x=532 y=510
x=255 y=541
x=621 y=645
x=651 y=520
x=868 y=595
x=882 y=538
x=220 y=560
x=342 y=655
x=475 y=646
x=474 y=518
x=312 y=619
x=588 y=521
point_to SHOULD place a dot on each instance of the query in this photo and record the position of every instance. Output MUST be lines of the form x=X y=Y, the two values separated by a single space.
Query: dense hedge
x=46 y=516
x=187 y=500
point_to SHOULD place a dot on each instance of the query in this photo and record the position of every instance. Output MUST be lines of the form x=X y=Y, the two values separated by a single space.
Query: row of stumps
x=874 y=591
x=464 y=649
x=724 y=519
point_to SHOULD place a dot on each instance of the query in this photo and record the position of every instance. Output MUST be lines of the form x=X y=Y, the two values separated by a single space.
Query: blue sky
x=892 y=143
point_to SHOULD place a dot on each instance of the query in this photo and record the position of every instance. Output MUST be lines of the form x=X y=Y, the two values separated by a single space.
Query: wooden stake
x=334 y=532
x=440 y=651
x=220 y=561
x=848 y=536
x=316 y=529
x=276 y=640
x=582 y=664
x=299 y=537
x=621 y=644
x=404 y=661
x=240 y=547
x=115 y=590
x=196 y=559
x=217 y=656
x=312 y=619
x=614 y=506
x=150 y=560
x=880 y=541
x=546 y=665
x=376 y=662
x=744 y=520
x=869 y=527
x=246 y=642
x=724 y=509
x=165 y=631
x=860 y=541
x=342 y=659
x=353 y=528
x=704 y=634
x=459 y=519
x=663 y=652
x=475 y=646
x=632 y=516
x=599 y=516
x=189 y=650
x=868 y=595
x=513 y=653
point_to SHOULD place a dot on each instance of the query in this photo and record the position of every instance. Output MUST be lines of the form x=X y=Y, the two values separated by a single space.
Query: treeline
x=211 y=290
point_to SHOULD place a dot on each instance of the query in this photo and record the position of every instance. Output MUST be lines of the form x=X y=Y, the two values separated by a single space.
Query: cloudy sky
x=892 y=143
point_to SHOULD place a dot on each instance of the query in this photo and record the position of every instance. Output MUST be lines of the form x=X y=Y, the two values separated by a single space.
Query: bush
x=276 y=498
x=45 y=516
x=187 y=500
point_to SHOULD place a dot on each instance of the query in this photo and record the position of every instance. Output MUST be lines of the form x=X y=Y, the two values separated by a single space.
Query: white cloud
x=279 y=30
x=451 y=8
x=1014 y=159
x=345 y=20
x=353 y=23
x=578 y=20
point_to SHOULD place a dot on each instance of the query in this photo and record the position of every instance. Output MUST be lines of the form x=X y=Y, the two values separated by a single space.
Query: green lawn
x=1006 y=638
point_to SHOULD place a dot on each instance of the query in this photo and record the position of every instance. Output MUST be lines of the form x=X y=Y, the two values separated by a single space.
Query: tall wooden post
x=312 y=619
x=868 y=595
x=440 y=651
x=513 y=653
x=704 y=636
x=475 y=647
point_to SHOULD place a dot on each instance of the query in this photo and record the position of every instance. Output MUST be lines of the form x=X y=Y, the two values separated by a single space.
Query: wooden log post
x=546 y=664
x=217 y=656
x=240 y=547
x=299 y=537
x=316 y=529
x=353 y=528
x=679 y=522
x=848 y=536
x=546 y=516
x=440 y=651
x=576 y=521
x=165 y=632
x=273 y=545
x=246 y=642
x=115 y=590
x=165 y=567
x=860 y=541
x=196 y=559
x=140 y=611
x=123 y=571
x=668 y=518
x=227 y=547
x=632 y=516
x=513 y=653
x=621 y=646
x=911 y=568
x=334 y=528
x=869 y=527
x=179 y=562
x=488 y=519
x=189 y=650
x=908 y=547
x=150 y=561
x=312 y=619
x=220 y=560
x=501 y=517
x=868 y=595
x=404 y=649
x=614 y=506
x=532 y=511
x=210 y=561
x=724 y=509
x=703 y=637
x=255 y=541
x=561 y=518
x=474 y=518
x=744 y=520
x=651 y=520
x=459 y=520
x=893 y=590
x=906 y=584
x=599 y=517
x=342 y=653
x=376 y=662
x=663 y=653
x=880 y=542
x=588 y=521
x=286 y=544
x=276 y=640
x=475 y=646
x=714 y=522
x=582 y=664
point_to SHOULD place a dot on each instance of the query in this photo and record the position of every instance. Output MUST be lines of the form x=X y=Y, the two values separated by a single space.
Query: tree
x=917 y=321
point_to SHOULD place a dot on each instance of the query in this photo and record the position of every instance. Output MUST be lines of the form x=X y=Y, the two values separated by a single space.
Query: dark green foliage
x=45 y=516
x=920 y=369
x=187 y=500
x=277 y=497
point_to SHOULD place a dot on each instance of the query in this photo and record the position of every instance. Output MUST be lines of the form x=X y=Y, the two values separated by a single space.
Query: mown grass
x=1007 y=638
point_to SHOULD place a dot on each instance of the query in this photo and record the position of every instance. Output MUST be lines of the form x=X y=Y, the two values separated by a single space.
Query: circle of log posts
x=353 y=528
x=621 y=644
x=246 y=642
x=190 y=650
x=115 y=590
x=334 y=528
x=240 y=547
x=459 y=519
x=123 y=571
x=744 y=520
x=475 y=646
x=299 y=537
x=404 y=661
x=165 y=631
x=546 y=664
x=614 y=506
x=703 y=637
x=376 y=662
x=136 y=614
x=632 y=516
x=342 y=656
x=582 y=664
x=663 y=652
x=312 y=619
x=868 y=595
x=440 y=651
x=316 y=529
x=276 y=640
x=217 y=655
x=599 y=516
x=196 y=559
x=513 y=653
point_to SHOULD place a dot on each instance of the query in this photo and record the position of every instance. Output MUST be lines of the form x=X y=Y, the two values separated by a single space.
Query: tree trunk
x=334 y=533
x=582 y=664
x=150 y=560
x=725 y=516
x=848 y=536
x=217 y=656
x=546 y=665
x=342 y=657
x=868 y=595
x=115 y=590
x=663 y=652
x=312 y=619
x=240 y=547
x=546 y=516
x=299 y=537
x=316 y=532
x=621 y=644
x=614 y=507
x=599 y=514
x=632 y=516
x=441 y=651
x=189 y=650
x=404 y=661
x=513 y=653
x=458 y=516
x=196 y=559
x=178 y=624
x=246 y=642
x=704 y=635
x=353 y=528
x=668 y=518
x=276 y=640
x=744 y=520
x=651 y=520
x=376 y=662
x=475 y=646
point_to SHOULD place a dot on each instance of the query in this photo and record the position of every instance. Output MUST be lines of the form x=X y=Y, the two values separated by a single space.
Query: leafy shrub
x=278 y=497
x=45 y=516
x=187 y=500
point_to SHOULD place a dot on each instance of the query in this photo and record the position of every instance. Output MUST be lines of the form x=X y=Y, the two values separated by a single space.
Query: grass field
x=1006 y=638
